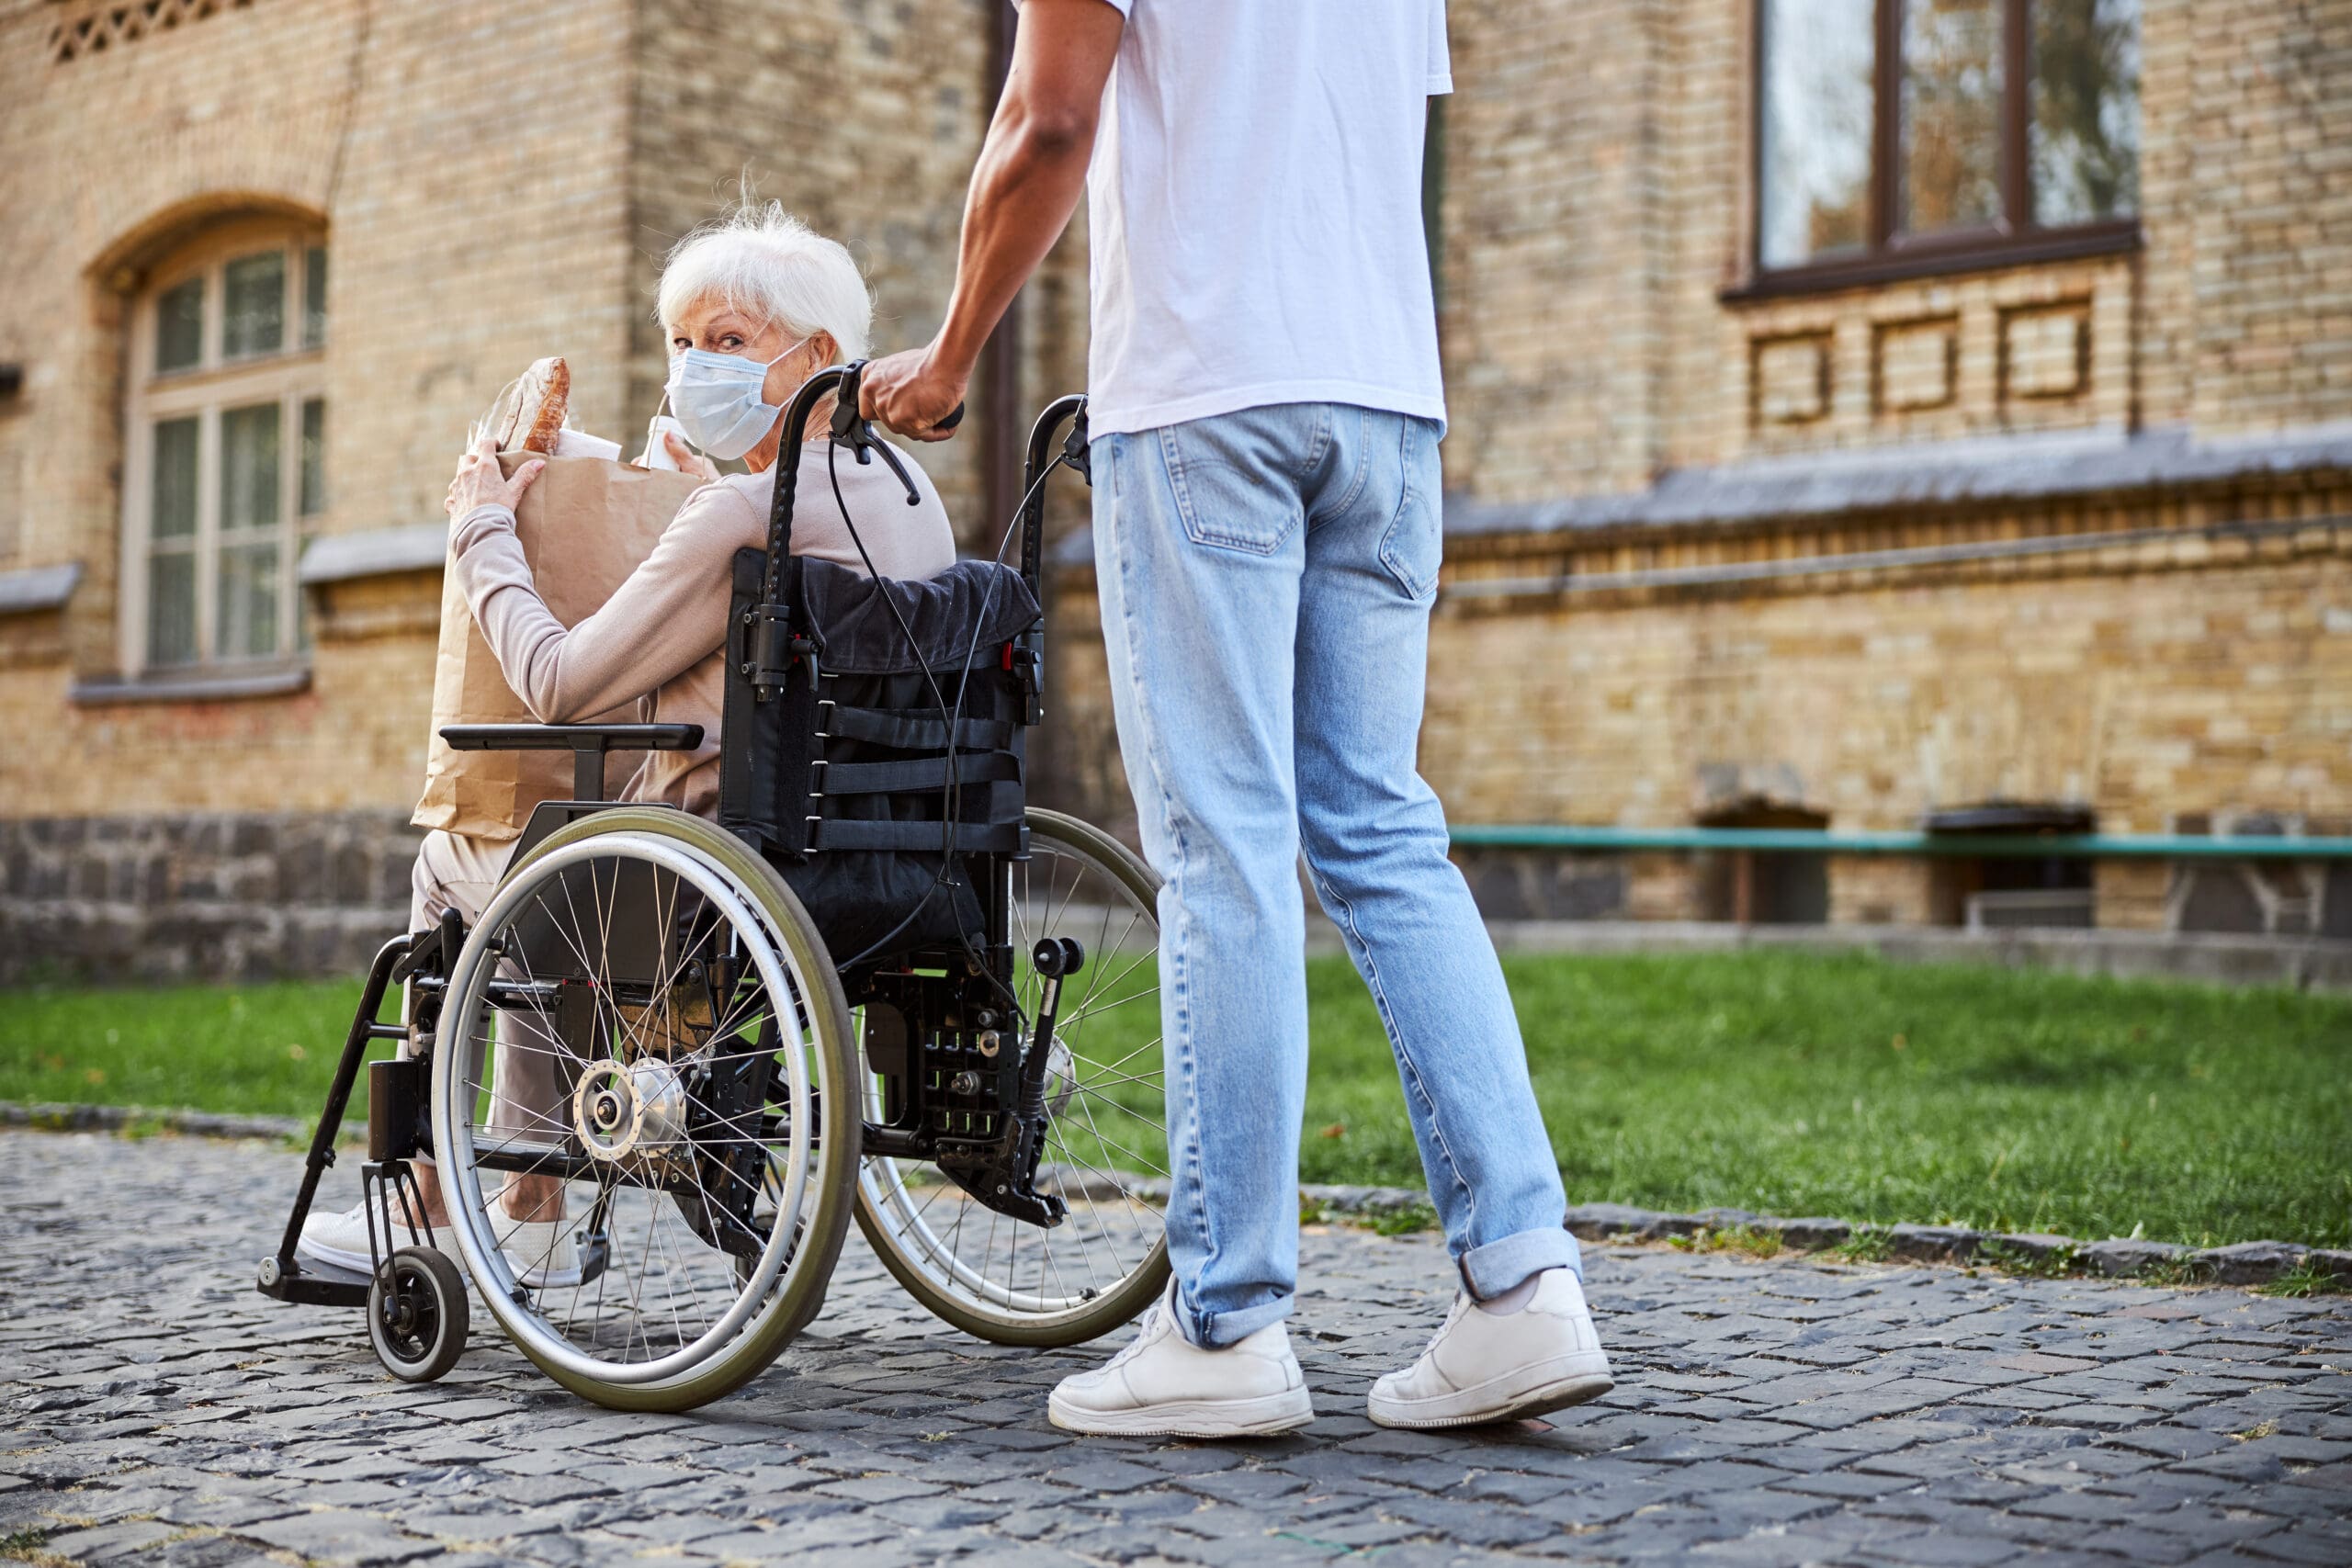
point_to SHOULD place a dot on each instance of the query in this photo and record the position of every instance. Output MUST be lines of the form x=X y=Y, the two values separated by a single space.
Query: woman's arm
x=669 y=615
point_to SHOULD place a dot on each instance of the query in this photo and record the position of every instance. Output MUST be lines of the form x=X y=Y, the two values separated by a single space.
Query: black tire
x=416 y=1313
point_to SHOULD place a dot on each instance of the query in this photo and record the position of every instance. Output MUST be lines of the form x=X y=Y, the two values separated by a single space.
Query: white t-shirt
x=1255 y=210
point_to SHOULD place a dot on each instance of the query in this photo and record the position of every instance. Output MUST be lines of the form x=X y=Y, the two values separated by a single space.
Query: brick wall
x=2152 y=681
x=466 y=166
x=863 y=120
x=493 y=186
x=1597 y=205
x=203 y=896
x=499 y=185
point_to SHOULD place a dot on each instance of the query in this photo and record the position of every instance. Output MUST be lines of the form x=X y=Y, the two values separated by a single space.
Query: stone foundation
x=212 y=895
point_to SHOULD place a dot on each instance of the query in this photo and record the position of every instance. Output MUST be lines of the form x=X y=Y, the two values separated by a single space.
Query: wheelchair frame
x=960 y=1099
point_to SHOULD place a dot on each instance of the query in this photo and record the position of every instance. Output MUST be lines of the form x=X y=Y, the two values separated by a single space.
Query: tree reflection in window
x=1818 y=58
x=2086 y=110
x=1926 y=128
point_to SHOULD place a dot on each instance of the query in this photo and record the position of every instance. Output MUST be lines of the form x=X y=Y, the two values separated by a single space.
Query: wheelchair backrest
x=842 y=776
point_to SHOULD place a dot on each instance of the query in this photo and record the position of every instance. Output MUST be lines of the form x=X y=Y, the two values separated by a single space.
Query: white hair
x=762 y=260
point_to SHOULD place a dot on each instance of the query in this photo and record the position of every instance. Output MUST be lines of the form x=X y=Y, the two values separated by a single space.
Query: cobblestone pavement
x=153 y=1407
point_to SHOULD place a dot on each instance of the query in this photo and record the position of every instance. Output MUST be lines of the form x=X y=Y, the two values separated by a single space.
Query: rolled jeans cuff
x=1215 y=1331
x=1487 y=1271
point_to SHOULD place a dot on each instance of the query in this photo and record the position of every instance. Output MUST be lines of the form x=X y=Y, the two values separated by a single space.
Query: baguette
x=531 y=409
x=555 y=397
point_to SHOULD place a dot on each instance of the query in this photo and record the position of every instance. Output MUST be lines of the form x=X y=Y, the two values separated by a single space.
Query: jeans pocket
x=1230 y=476
x=1414 y=547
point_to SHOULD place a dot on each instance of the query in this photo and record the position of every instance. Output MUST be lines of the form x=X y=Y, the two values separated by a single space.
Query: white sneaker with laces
x=342 y=1239
x=1161 y=1385
x=1500 y=1365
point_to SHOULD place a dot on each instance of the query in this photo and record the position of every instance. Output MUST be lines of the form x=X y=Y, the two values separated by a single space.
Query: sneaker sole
x=1532 y=1391
x=1259 y=1418
x=536 y=1280
x=357 y=1262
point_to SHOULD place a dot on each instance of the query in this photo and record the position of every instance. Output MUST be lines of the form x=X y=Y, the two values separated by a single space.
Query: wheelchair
x=880 y=986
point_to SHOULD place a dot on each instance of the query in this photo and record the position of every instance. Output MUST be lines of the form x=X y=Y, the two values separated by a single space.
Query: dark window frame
x=1893 y=256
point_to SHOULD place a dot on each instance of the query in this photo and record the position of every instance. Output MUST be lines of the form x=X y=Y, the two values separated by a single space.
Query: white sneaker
x=1163 y=1386
x=543 y=1254
x=1490 y=1366
x=342 y=1239
x=540 y=1257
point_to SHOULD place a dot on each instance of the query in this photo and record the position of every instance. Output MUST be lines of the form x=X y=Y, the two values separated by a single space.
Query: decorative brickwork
x=93 y=26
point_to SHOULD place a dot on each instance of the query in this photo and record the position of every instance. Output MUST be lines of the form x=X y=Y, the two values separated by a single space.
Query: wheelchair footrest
x=311 y=1284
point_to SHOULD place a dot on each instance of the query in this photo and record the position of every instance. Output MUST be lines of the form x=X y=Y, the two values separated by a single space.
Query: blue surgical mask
x=717 y=400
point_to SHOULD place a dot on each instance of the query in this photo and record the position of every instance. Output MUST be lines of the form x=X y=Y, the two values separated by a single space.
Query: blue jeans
x=1266 y=577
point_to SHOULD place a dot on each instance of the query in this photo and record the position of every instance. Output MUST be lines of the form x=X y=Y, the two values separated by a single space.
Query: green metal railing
x=1807 y=840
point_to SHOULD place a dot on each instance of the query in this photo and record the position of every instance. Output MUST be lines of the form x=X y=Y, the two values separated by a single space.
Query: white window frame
x=290 y=377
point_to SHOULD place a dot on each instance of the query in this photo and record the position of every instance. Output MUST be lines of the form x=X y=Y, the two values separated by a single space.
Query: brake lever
x=857 y=434
x=914 y=496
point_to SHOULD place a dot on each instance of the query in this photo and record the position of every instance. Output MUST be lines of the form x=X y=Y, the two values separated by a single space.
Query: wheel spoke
x=973 y=1254
x=670 y=974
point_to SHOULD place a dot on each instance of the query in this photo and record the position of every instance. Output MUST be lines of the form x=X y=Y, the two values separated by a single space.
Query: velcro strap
x=916 y=773
x=971 y=838
x=915 y=729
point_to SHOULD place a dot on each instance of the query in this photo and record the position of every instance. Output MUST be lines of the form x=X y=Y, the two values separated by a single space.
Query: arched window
x=226 y=421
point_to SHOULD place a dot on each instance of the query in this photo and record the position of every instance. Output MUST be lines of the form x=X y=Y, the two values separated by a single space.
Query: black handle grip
x=954 y=417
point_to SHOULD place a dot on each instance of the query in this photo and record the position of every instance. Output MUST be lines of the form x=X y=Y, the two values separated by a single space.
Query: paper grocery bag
x=585 y=523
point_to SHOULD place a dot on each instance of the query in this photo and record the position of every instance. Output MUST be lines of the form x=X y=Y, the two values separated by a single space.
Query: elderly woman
x=754 y=306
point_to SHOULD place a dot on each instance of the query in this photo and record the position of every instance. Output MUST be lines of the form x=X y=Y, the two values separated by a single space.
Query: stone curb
x=63 y=1117
x=2246 y=1263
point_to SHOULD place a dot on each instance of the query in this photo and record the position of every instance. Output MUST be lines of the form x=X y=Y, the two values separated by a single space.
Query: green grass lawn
x=1793 y=1084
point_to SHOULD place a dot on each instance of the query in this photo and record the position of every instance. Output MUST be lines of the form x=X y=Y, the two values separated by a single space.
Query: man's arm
x=1031 y=173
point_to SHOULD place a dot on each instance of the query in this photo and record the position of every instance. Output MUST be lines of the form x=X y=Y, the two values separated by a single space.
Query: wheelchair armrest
x=586 y=742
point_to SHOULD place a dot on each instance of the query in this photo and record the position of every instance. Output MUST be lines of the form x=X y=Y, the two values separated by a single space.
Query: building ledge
x=216 y=684
x=377 y=552
x=1945 y=473
x=1810 y=485
x=38 y=589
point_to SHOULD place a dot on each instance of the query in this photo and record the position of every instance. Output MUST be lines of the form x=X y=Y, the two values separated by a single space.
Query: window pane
x=1952 y=115
x=248 y=620
x=2086 y=110
x=254 y=305
x=171 y=512
x=249 y=467
x=1819 y=60
x=314 y=472
x=170 y=607
x=179 y=325
x=314 y=296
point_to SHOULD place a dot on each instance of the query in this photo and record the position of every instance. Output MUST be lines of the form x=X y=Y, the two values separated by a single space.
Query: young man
x=1266 y=408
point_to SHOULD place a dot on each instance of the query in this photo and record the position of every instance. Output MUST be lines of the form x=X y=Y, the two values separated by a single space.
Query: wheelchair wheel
x=416 y=1313
x=645 y=1027
x=1106 y=1149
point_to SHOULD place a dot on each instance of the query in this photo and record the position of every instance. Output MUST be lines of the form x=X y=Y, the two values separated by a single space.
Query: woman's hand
x=689 y=461
x=479 y=482
x=910 y=393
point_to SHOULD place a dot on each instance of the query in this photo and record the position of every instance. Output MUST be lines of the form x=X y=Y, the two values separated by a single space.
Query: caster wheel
x=416 y=1315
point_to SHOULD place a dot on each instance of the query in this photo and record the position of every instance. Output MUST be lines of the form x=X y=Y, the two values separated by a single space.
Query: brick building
x=1862 y=411
x=1870 y=413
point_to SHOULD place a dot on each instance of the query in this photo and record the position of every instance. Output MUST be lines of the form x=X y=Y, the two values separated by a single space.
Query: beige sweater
x=661 y=639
